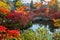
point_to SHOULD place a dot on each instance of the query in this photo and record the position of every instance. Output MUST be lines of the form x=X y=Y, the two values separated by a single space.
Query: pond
x=35 y=26
x=44 y=24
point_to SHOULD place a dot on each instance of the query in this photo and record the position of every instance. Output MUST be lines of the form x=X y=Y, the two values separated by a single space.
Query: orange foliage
x=52 y=2
x=25 y=13
x=4 y=10
x=37 y=5
x=47 y=11
x=22 y=8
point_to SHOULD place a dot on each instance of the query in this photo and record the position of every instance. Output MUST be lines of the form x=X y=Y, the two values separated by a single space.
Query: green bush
x=39 y=34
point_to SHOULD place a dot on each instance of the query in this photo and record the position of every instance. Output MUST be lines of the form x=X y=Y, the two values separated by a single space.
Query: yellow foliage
x=57 y=22
x=4 y=5
x=18 y=3
x=4 y=10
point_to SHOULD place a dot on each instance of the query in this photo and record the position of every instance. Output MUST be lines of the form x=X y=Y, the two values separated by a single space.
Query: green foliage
x=11 y=39
x=18 y=3
x=27 y=33
x=39 y=34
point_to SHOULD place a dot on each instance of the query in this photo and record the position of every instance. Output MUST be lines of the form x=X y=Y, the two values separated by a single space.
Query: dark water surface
x=45 y=24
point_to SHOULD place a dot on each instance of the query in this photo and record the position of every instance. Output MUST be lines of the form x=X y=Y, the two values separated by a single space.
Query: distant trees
x=31 y=4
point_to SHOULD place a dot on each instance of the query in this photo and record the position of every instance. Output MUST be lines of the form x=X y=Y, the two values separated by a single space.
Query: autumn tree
x=53 y=5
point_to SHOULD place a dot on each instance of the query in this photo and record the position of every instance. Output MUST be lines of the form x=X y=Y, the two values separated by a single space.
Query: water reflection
x=51 y=28
x=35 y=26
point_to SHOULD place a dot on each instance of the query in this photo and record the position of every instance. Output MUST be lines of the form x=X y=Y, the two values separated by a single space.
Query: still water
x=47 y=25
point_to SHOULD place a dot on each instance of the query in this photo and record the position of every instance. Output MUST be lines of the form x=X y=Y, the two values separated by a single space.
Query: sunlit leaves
x=3 y=8
x=37 y=5
x=52 y=2
x=21 y=9
x=18 y=4
x=57 y=22
x=39 y=34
